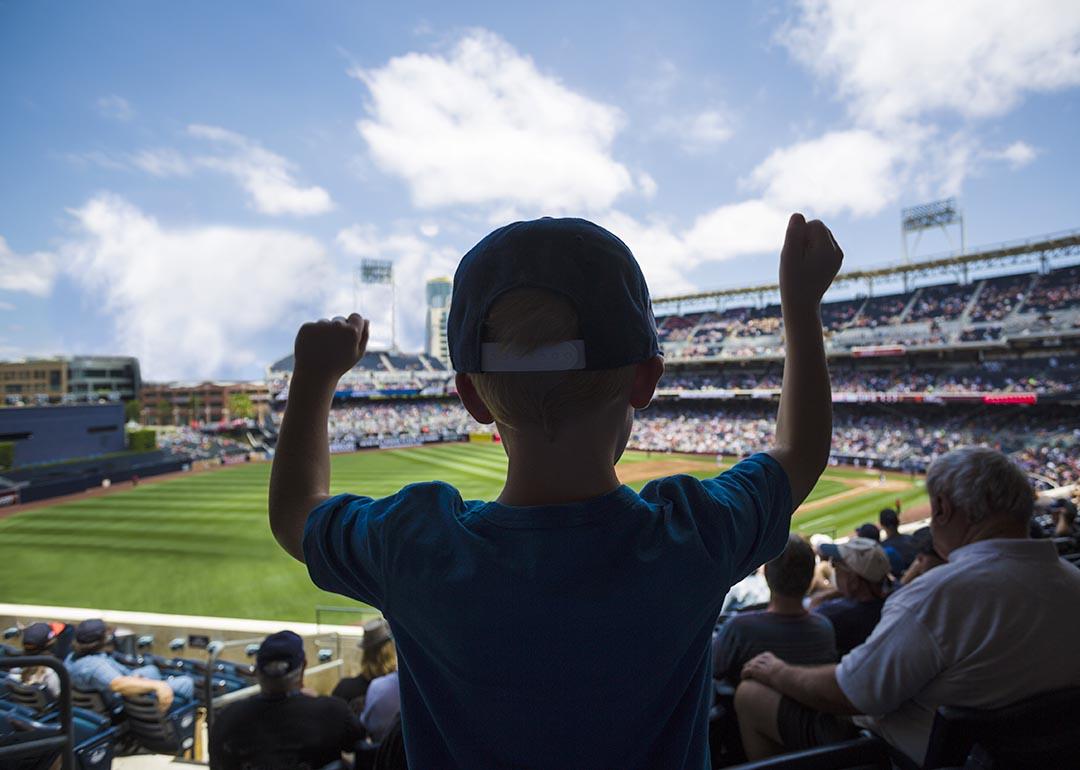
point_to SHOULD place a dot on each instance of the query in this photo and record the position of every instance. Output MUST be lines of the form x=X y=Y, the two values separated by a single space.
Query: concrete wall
x=45 y=434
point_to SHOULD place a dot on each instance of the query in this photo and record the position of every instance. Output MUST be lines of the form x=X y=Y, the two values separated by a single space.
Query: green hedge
x=7 y=455
x=142 y=440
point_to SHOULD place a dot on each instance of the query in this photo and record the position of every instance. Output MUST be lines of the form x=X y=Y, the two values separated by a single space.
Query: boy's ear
x=471 y=400
x=646 y=375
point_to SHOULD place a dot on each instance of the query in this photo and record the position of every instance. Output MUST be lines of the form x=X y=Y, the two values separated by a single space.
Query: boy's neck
x=553 y=473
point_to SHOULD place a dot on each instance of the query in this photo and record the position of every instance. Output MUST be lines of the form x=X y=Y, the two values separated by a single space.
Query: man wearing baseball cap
x=861 y=569
x=282 y=726
x=969 y=633
x=93 y=669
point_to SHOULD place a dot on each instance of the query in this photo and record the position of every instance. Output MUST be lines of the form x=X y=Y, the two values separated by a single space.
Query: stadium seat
x=21 y=733
x=1039 y=732
x=33 y=696
x=171 y=733
x=863 y=753
x=92 y=700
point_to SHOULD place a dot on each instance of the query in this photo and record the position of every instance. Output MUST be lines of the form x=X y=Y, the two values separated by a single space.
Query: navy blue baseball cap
x=36 y=636
x=280 y=654
x=577 y=259
x=90 y=631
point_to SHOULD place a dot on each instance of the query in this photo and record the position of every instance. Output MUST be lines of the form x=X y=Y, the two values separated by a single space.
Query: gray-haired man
x=969 y=633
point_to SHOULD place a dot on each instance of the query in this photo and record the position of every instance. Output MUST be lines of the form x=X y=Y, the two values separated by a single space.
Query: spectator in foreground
x=785 y=628
x=92 y=669
x=860 y=567
x=553 y=340
x=281 y=726
x=379 y=658
x=970 y=633
x=902 y=545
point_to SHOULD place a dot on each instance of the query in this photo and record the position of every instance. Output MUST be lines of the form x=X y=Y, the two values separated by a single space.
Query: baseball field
x=199 y=544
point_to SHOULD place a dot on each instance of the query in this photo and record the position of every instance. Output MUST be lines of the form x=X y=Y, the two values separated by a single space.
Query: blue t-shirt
x=570 y=635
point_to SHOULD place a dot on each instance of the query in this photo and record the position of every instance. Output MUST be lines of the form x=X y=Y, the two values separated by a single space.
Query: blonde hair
x=379 y=661
x=521 y=321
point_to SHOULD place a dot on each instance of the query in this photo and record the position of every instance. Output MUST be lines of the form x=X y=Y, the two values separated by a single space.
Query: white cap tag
x=560 y=357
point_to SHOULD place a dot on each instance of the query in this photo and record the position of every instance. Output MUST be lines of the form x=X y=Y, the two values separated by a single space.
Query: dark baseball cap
x=280 y=654
x=90 y=631
x=574 y=258
x=889 y=518
x=36 y=636
x=869 y=531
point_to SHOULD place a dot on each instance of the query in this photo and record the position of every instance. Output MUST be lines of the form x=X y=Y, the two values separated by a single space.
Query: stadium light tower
x=927 y=216
x=379 y=272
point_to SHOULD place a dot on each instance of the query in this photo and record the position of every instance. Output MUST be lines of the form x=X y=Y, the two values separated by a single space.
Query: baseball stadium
x=172 y=546
x=540 y=386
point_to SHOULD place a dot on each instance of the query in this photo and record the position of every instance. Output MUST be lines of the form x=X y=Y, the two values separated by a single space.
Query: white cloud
x=646 y=184
x=266 y=176
x=698 y=132
x=1017 y=155
x=190 y=301
x=162 y=162
x=737 y=229
x=852 y=171
x=969 y=57
x=483 y=125
x=416 y=261
x=115 y=107
x=31 y=273
x=6 y=305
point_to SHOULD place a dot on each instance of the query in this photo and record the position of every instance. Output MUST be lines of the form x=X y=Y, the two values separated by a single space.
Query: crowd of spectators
x=1041 y=376
x=1045 y=442
x=931 y=315
x=196 y=445
x=379 y=420
x=944 y=303
x=1000 y=296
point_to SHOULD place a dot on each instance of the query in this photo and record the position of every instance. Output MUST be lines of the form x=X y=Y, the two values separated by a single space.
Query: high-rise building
x=438 y=308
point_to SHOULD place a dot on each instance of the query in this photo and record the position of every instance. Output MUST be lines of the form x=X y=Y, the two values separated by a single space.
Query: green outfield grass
x=201 y=545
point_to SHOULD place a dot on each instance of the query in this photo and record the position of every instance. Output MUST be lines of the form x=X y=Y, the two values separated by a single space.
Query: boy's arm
x=808 y=263
x=300 y=475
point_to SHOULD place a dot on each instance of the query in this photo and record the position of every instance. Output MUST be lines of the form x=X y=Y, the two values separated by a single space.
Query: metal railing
x=65 y=740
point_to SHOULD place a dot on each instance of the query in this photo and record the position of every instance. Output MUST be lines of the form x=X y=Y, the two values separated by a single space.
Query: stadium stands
x=1002 y=311
x=1045 y=440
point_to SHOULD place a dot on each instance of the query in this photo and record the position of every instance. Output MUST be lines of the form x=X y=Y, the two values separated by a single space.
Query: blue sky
x=188 y=182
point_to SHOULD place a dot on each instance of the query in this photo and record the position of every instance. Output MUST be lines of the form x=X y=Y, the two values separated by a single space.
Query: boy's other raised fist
x=809 y=261
x=330 y=348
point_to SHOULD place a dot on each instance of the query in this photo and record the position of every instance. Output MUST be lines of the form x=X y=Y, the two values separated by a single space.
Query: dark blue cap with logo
x=280 y=654
x=577 y=259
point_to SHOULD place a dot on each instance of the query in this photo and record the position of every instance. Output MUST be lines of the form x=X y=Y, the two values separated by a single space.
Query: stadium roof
x=1028 y=250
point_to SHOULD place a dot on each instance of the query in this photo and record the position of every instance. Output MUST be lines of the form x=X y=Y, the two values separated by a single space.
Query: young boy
x=568 y=622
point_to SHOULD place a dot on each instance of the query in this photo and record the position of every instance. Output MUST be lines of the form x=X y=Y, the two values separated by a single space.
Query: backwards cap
x=574 y=258
x=280 y=654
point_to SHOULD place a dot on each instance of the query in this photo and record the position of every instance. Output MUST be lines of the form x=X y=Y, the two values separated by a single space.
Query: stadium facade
x=69 y=379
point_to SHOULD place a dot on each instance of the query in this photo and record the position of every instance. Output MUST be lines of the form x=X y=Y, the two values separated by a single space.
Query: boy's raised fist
x=809 y=261
x=330 y=348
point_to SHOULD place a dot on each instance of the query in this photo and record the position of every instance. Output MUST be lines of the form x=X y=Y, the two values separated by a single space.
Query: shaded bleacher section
x=1001 y=311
